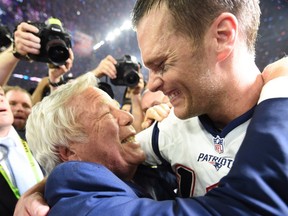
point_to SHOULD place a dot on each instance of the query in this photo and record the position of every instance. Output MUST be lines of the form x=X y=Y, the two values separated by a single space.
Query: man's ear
x=65 y=153
x=225 y=30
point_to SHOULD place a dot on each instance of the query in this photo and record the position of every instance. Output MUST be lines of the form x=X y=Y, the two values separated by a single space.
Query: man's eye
x=26 y=106
x=162 y=68
x=104 y=115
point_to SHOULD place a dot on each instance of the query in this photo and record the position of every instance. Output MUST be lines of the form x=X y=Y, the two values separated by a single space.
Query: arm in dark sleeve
x=256 y=185
x=258 y=180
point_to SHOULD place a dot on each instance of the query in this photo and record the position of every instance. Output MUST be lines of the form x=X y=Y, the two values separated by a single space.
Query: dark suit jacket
x=7 y=198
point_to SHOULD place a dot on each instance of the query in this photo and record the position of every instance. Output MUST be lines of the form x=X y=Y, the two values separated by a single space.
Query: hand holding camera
x=122 y=72
x=106 y=68
x=25 y=39
x=43 y=42
x=56 y=73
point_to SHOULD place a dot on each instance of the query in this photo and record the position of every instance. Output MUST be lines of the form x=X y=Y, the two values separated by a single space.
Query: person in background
x=42 y=89
x=132 y=96
x=155 y=106
x=131 y=102
x=54 y=79
x=18 y=169
x=21 y=104
x=25 y=41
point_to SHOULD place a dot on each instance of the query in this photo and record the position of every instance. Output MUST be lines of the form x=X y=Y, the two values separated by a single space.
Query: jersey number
x=186 y=181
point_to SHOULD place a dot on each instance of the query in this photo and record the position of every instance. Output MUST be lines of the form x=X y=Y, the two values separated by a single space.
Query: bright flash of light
x=111 y=36
x=126 y=25
x=98 y=45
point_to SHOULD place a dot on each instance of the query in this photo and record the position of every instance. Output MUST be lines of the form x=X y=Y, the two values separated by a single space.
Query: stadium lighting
x=126 y=25
x=26 y=77
x=98 y=45
x=111 y=36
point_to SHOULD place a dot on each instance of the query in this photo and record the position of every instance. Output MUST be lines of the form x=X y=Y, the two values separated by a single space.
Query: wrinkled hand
x=276 y=69
x=25 y=41
x=156 y=113
x=55 y=73
x=106 y=67
x=31 y=205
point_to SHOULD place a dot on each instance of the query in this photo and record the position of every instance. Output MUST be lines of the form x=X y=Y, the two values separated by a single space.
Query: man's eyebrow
x=153 y=62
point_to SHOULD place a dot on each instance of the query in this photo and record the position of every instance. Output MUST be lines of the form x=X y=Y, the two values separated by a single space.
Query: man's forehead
x=152 y=36
x=99 y=95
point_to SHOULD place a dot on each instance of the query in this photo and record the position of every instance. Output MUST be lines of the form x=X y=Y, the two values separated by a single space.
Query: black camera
x=127 y=72
x=5 y=37
x=55 y=42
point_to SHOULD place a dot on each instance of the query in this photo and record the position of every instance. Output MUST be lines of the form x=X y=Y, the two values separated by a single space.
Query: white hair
x=52 y=122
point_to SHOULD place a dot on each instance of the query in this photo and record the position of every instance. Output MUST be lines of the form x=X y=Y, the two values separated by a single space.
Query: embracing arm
x=256 y=184
x=32 y=203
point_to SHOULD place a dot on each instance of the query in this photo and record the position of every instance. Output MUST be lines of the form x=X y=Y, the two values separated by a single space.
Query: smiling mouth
x=173 y=95
x=128 y=140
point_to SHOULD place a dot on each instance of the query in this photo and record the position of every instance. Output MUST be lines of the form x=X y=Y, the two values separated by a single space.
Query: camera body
x=55 y=42
x=127 y=72
x=5 y=37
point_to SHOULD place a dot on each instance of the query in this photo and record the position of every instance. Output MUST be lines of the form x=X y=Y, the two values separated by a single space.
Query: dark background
x=89 y=22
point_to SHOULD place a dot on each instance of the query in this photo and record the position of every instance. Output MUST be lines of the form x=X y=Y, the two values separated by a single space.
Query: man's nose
x=125 y=118
x=154 y=82
x=18 y=106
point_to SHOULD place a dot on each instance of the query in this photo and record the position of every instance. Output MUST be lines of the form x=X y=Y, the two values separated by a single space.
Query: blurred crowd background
x=90 y=21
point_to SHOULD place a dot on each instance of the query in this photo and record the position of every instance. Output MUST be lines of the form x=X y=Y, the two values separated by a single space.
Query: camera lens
x=132 y=79
x=57 y=52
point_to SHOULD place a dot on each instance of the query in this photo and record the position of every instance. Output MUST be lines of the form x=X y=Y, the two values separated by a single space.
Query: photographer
x=108 y=67
x=132 y=102
x=7 y=61
x=26 y=42
x=53 y=80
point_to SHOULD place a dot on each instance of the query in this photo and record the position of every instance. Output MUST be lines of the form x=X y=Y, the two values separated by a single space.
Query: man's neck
x=242 y=93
